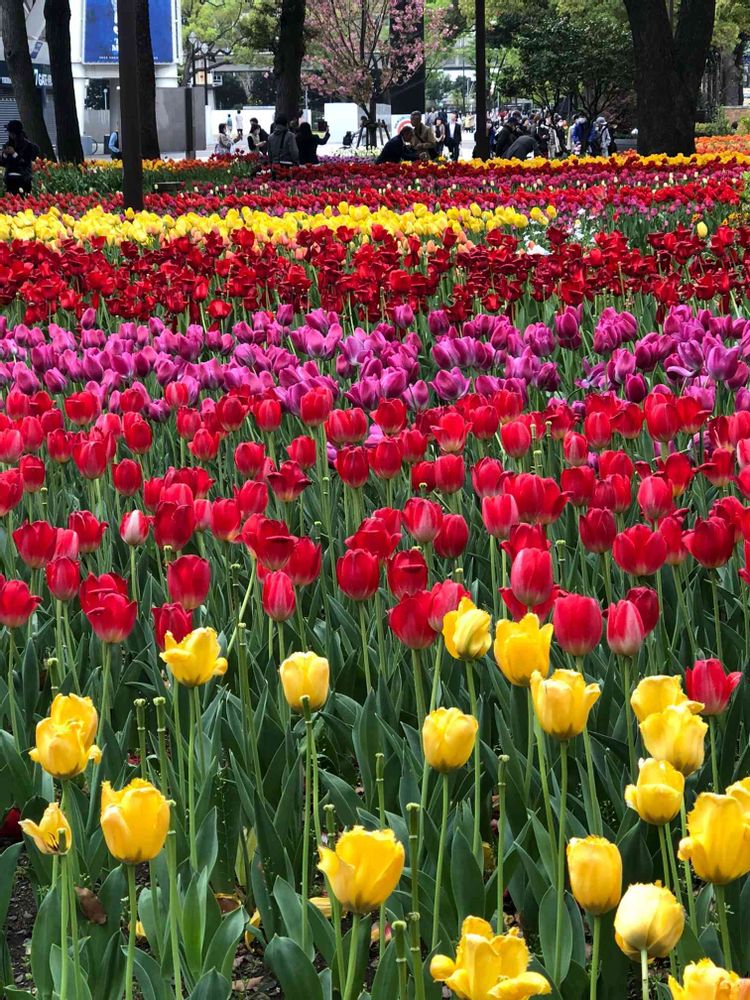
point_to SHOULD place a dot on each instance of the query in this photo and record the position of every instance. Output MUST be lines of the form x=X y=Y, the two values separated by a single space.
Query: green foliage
x=719 y=126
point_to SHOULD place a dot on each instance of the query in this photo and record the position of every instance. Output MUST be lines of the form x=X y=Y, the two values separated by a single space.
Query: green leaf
x=223 y=947
x=149 y=976
x=8 y=862
x=466 y=878
x=548 y=931
x=385 y=983
x=212 y=986
x=194 y=921
x=46 y=933
x=290 y=907
x=294 y=971
x=19 y=767
x=207 y=842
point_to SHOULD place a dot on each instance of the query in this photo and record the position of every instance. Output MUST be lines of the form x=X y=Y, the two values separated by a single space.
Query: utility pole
x=130 y=118
x=482 y=149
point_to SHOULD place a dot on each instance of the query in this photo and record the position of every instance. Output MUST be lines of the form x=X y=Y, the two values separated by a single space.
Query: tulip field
x=375 y=554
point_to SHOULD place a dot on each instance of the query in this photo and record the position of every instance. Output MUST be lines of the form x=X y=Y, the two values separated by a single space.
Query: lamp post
x=482 y=149
x=189 y=108
x=205 y=47
x=130 y=118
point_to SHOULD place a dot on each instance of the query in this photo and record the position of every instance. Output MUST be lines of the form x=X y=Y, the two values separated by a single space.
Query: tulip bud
x=577 y=622
x=706 y=682
x=531 y=577
x=466 y=631
x=562 y=702
x=522 y=648
x=364 y=869
x=52 y=835
x=305 y=675
x=595 y=869
x=676 y=735
x=448 y=738
x=625 y=631
x=134 y=821
x=648 y=919
x=658 y=795
x=718 y=841
x=703 y=978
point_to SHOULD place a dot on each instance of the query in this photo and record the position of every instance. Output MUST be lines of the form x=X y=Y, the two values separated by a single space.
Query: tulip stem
x=440 y=862
x=414 y=820
x=529 y=745
x=241 y=612
x=418 y=687
x=596 y=814
x=174 y=911
x=380 y=786
x=502 y=764
x=191 y=787
x=106 y=669
x=714 y=758
x=306 y=824
x=436 y=676
x=335 y=905
x=594 y=974
x=247 y=706
x=677 y=577
x=381 y=634
x=66 y=870
x=402 y=965
x=544 y=782
x=664 y=857
x=673 y=863
x=717 y=621
x=688 y=875
x=12 y=689
x=493 y=572
x=352 y=964
x=365 y=646
x=721 y=910
x=415 y=947
x=626 y=685
x=644 y=974
x=561 y=856
x=62 y=885
x=476 y=843
x=133 y=920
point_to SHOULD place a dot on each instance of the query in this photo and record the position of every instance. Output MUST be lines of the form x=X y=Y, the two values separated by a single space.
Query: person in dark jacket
x=453 y=136
x=17 y=157
x=399 y=148
x=257 y=137
x=522 y=148
x=282 y=144
x=508 y=134
x=307 y=143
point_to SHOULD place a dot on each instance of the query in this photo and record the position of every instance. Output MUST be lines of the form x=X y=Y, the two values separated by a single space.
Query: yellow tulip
x=64 y=750
x=466 y=631
x=305 y=674
x=648 y=919
x=448 y=738
x=595 y=869
x=195 y=659
x=656 y=693
x=46 y=833
x=676 y=735
x=364 y=869
x=705 y=981
x=72 y=708
x=740 y=790
x=701 y=230
x=134 y=821
x=658 y=794
x=488 y=966
x=718 y=840
x=562 y=702
x=522 y=648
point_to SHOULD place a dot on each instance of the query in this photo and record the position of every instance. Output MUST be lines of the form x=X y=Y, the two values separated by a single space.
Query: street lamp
x=205 y=49
x=482 y=149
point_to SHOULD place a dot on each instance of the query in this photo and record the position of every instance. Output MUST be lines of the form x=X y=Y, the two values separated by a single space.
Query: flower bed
x=374 y=584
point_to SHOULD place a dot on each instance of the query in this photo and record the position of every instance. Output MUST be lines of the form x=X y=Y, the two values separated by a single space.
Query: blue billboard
x=100 y=40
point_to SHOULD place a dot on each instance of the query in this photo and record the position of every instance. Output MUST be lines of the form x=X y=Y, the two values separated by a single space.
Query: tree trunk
x=21 y=72
x=287 y=63
x=668 y=70
x=57 y=25
x=146 y=83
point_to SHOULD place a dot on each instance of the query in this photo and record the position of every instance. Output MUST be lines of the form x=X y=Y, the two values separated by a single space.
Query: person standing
x=399 y=147
x=307 y=142
x=223 y=145
x=440 y=135
x=423 y=138
x=510 y=131
x=17 y=157
x=282 y=144
x=257 y=137
x=453 y=136
x=113 y=145
x=602 y=137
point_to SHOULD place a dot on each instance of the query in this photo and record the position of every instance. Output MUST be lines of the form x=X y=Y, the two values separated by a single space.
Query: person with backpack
x=602 y=143
x=581 y=136
x=17 y=157
x=282 y=144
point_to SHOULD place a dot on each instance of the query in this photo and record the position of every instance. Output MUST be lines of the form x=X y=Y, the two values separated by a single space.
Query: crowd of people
x=288 y=143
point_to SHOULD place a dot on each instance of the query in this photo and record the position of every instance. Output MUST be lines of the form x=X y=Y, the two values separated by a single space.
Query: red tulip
x=287 y=482
x=711 y=542
x=358 y=574
x=270 y=540
x=578 y=623
x=525 y=536
x=531 y=576
x=279 y=600
x=230 y=413
x=303 y=566
x=267 y=415
x=515 y=438
x=112 y=617
x=446 y=596
x=639 y=551
x=375 y=535
x=485 y=421
x=413 y=444
x=134 y=527
x=91 y=458
x=647 y=601
x=353 y=466
x=315 y=405
x=578 y=483
x=540 y=501
x=302 y=450
x=252 y=498
x=82 y=408
x=32 y=473
x=89 y=529
x=597 y=529
x=406 y=573
x=422 y=519
x=706 y=682
x=500 y=514
x=450 y=473
x=11 y=446
x=662 y=416
x=225 y=520
x=575 y=448
x=518 y=610
x=487 y=478
x=655 y=497
x=409 y=621
x=670 y=530
x=94 y=588
x=205 y=445
x=173 y=525
x=386 y=458
x=63 y=578
x=137 y=433
x=249 y=458
x=452 y=537
x=35 y=543
x=625 y=631
x=346 y=426
x=127 y=477
x=67 y=545
x=451 y=432
x=11 y=490
x=390 y=416
x=171 y=618
x=17 y=603
x=188 y=581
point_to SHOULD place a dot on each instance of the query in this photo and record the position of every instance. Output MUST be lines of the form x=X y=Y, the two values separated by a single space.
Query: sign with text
x=101 y=42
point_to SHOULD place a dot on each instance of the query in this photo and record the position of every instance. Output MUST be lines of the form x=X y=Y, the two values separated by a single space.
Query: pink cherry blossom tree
x=359 y=48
